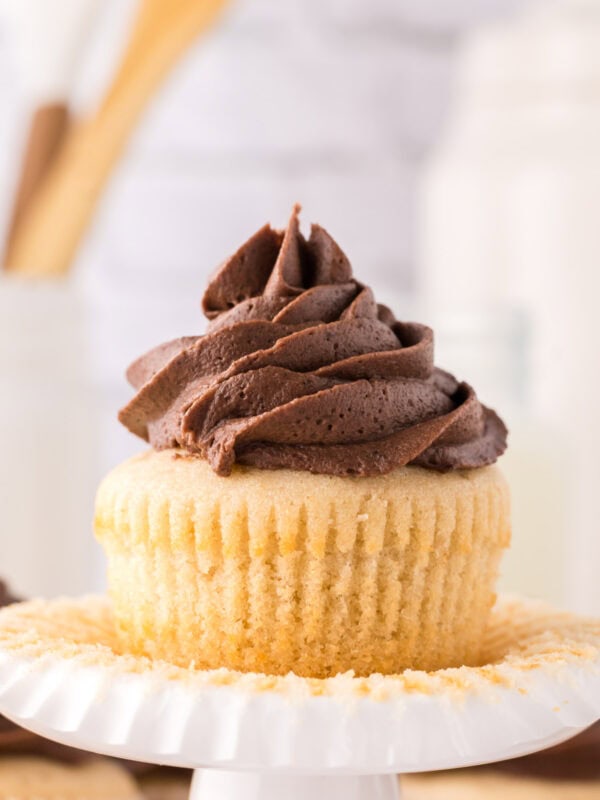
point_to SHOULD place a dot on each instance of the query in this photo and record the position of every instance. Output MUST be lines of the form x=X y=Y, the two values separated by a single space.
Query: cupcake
x=318 y=497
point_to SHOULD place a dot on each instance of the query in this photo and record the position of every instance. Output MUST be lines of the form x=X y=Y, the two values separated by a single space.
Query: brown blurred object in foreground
x=570 y=771
x=576 y=759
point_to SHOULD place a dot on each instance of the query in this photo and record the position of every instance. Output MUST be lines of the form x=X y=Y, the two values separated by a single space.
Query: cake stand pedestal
x=264 y=738
x=226 y=785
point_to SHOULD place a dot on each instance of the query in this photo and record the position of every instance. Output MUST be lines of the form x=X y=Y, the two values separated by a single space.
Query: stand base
x=213 y=784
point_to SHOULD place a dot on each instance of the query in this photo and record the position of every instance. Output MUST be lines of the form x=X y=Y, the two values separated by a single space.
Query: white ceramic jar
x=48 y=439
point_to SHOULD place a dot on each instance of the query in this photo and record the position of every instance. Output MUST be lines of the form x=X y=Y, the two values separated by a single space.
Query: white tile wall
x=330 y=103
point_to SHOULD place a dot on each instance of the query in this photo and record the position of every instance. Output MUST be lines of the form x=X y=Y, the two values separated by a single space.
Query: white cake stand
x=263 y=738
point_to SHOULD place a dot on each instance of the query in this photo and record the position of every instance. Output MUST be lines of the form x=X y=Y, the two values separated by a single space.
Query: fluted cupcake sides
x=276 y=571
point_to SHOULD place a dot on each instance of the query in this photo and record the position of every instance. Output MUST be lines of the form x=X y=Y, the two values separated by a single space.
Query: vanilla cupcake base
x=278 y=571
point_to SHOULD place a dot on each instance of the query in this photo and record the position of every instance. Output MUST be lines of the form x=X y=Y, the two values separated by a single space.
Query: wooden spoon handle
x=47 y=132
x=46 y=240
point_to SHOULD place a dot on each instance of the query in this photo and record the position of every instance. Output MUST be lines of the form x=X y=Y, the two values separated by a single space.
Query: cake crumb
x=522 y=636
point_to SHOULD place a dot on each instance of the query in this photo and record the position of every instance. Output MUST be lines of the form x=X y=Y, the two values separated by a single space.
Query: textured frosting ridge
x=300 y=368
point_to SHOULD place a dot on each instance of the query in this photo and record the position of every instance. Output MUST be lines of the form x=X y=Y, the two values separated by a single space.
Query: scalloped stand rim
x=260 y=739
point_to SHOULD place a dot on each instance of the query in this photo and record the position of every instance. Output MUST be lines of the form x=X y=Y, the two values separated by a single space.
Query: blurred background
x=453 y=149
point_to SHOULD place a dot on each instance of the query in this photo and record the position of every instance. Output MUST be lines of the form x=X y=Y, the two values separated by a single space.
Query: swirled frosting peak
x=301 y=368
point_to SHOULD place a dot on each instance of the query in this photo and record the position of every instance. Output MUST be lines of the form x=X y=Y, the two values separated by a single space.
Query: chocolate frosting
x=301 y=368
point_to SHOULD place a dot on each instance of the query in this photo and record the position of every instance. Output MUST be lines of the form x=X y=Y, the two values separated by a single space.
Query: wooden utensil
x=50 y=40
x=47 y=238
